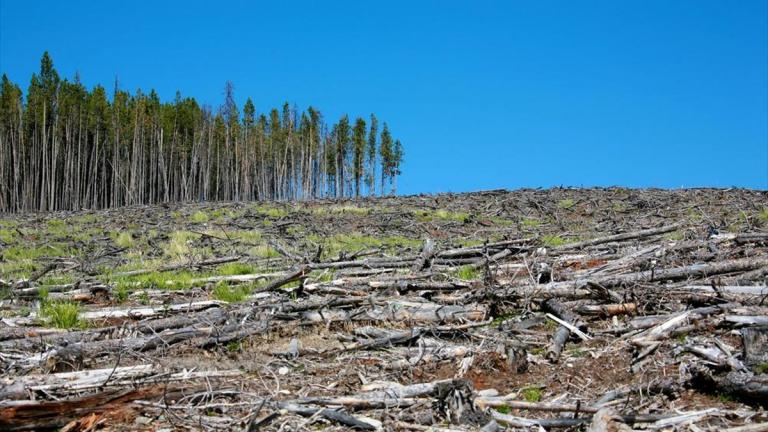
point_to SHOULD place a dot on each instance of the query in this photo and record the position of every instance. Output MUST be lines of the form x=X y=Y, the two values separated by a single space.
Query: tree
x=386 y=155
x=370 y=177
x=358 y=140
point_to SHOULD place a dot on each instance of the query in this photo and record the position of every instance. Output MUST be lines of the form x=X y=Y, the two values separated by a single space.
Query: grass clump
x=763 y=215
x=158 y=280
x=532 y=394
x=178 y=244
x=236 y=268
x=429 y=215
x=271 y=212
x=566 y=203
x=19 y=253
x=504 y=409
x=123 y=239
x=762 y=368
x=553 y=240
x=467 y=272
x=675 y=236
x=263 y=251
x=530 y=222
x=222 y=291
x=199 y=217
x=7 y=235
x=62 y=315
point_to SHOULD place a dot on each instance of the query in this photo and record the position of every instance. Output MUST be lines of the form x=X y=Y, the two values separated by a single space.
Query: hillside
x=564 y=308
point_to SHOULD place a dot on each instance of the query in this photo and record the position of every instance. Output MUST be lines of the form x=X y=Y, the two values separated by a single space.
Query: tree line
x=64 y=147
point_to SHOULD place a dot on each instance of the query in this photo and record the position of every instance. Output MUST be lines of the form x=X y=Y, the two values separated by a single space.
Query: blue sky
x=483 y=94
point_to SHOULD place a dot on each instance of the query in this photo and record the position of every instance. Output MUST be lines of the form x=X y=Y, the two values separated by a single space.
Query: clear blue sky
x=483 y=94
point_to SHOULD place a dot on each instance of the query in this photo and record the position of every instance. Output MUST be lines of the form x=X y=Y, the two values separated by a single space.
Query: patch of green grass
x=8 y=235
x=530 y=223
x=566 y=203
x=501 y=318
x=121 y=292
x=467 y=272
x=504 y=409
x=762 y=368
x=269 y=211
x=334 y=245
x=17 y=269
x=144 y=298
x=538 y=351
x=199 y=217
x=724 y=398
x=469 y=242
x=431 y=215
x=236 y=268
x=19 y=253
x=532 y=394
x=84 y=219
x=177 y=246
x=500 y=221
x=763 y=215
x=234 y=346
x=263 y=251
x=123 y=239
x=553 y=240
x=158 y=280
x=57 y=280
x=222 y=291
x=62 y=315
x=342 y=209
x=675 y=236
x=247 y=236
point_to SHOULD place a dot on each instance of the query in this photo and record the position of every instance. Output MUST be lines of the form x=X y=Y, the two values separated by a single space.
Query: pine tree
x=386 y=156
x=358 y=140
x=370 y=177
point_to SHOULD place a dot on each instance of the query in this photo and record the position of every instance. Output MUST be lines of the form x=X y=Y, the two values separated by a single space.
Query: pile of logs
x=623 y=331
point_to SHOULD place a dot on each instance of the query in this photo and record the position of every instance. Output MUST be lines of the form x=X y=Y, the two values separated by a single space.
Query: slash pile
x=562 y=309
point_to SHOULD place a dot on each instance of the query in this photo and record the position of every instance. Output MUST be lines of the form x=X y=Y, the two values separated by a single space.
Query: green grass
x=8 y=235
x=530 y=223
x=467 y=272
x=431 y=215
x=763 y=215
x=566 y=203
x=199 y=217
x=222 y=291
x=532 y=394
x=57 y=280
x=158 y=280
x=20 y=253
x=269 y=211
x=177 y=246
x=62 y=315
x=236 y=268
x=123 y=239
x=762 y=368
x=504 y=409
x=342 y=209
x=553 y=240
x=263 y=251
x=675 y=236
x=354 y=242
x=121 y=292
x=234 y=346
